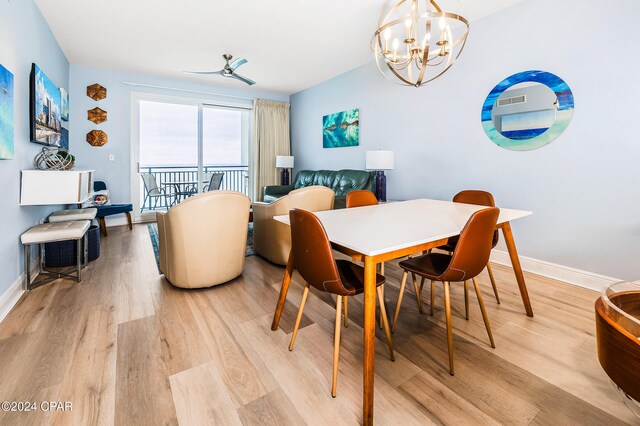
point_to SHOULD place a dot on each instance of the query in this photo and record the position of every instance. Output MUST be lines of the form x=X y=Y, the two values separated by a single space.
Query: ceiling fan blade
x=235 y=64
x=202 y=72
x=244 y=79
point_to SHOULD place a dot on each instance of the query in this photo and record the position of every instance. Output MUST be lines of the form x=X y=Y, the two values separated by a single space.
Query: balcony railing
x=235 y=178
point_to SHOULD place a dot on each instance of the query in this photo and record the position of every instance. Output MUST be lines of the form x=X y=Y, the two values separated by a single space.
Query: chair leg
x=103 y=226
x=466 y=299
x=417 y=291
x=299 y=317
x=493 y=282
x=399 y=302
x=129 y=220
x=385 y=321
x=433 y=295
x=484 y=312
x=143 y=203
x=336 y=346
x=27 y=267
x=447 y=310
x=381 y=273
x=346 y=312
x=381 y=289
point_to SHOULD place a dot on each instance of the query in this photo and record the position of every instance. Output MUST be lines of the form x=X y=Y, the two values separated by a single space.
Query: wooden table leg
x=283 y=293
x=517 y=268
x=369 y=338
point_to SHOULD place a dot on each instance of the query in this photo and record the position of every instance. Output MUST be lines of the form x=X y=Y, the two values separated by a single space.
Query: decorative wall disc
x=97 y=138
x=527 y=110
x=97 y=115
x=96 y=92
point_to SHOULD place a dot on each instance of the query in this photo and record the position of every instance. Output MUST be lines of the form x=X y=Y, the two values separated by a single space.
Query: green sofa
x=341 y=181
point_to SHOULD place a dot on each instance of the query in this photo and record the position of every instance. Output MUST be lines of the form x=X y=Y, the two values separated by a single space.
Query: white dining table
x=383 y=232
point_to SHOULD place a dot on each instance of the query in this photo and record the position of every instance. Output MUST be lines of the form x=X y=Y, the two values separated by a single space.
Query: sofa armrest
x=277 y=190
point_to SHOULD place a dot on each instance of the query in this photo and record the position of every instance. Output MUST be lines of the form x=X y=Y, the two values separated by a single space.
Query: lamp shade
x=379 y=160
x=284 y=161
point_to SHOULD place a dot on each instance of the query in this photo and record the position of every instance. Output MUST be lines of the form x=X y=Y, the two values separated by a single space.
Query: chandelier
x=416 y=41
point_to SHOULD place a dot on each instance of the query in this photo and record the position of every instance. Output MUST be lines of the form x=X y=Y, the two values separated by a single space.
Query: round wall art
x=527 y=110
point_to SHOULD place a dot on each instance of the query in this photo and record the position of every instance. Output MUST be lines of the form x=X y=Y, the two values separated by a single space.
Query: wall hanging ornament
x=97 y=138
x=527 y=110
x=97 y=115
x=96 y=92
x=53 y=158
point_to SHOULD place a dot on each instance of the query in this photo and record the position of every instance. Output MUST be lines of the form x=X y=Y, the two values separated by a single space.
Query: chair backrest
x=361 y=198
x=472 y=251
x=216 y=181
x=150 y=184
x=206 y=238
x=99 y=185
x=480 y=198
x=312 y=198
x=312 y=254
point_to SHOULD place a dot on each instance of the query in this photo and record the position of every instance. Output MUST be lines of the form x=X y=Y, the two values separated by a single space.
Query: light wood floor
x=125 y=347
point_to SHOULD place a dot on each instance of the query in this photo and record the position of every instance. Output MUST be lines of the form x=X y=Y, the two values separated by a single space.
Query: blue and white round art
x=527 y=110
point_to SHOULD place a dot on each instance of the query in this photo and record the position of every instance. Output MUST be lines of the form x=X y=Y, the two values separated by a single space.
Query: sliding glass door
x=225 y=147
x=181 y=148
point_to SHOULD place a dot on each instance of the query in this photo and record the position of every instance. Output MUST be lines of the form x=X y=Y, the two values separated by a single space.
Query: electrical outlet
x=112 y=157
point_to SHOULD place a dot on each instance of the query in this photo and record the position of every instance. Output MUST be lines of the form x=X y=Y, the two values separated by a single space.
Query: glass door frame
x=136 y=98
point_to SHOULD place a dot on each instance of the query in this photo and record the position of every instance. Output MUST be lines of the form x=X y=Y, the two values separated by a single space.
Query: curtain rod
x=149 y=86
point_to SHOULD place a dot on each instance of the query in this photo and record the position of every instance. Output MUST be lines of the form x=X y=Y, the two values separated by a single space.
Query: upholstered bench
x=104 y=211
x=51 y=232
x=73 y=214
x=61 y=253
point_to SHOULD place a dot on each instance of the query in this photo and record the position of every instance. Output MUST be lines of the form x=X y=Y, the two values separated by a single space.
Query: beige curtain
x=270 y=138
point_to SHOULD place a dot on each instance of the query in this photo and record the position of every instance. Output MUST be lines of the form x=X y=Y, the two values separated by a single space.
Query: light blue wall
x=25 y=37
x=584 y=188
x=118 y=126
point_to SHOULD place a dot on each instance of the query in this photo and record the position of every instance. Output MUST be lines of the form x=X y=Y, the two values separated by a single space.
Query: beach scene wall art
x=341 y=129
x=6 y=114
x=46 y=109
x=528 y=125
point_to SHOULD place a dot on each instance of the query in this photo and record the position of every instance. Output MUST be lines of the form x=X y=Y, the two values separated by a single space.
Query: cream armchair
x=203 y=240
x=272 y=239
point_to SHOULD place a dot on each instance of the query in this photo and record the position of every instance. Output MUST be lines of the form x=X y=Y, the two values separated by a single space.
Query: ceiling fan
x=229 y=70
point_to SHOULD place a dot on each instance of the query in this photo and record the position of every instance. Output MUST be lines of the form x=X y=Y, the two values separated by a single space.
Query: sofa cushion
x=325 y=178
x=350 y=180
x=304 y=178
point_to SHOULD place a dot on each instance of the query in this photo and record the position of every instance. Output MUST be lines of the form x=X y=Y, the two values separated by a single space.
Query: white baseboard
x=11 y=296
x=557 y=272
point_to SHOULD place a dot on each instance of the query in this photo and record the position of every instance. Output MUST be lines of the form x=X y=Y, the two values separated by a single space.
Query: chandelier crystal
x=416 y=41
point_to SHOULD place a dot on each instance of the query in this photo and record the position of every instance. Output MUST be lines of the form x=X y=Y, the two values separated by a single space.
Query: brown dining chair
x=481 y=198
x=469 y=258
x=313 y=259
x=362 y=198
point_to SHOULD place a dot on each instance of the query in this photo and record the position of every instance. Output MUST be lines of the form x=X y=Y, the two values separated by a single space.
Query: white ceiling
x=290 y=44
